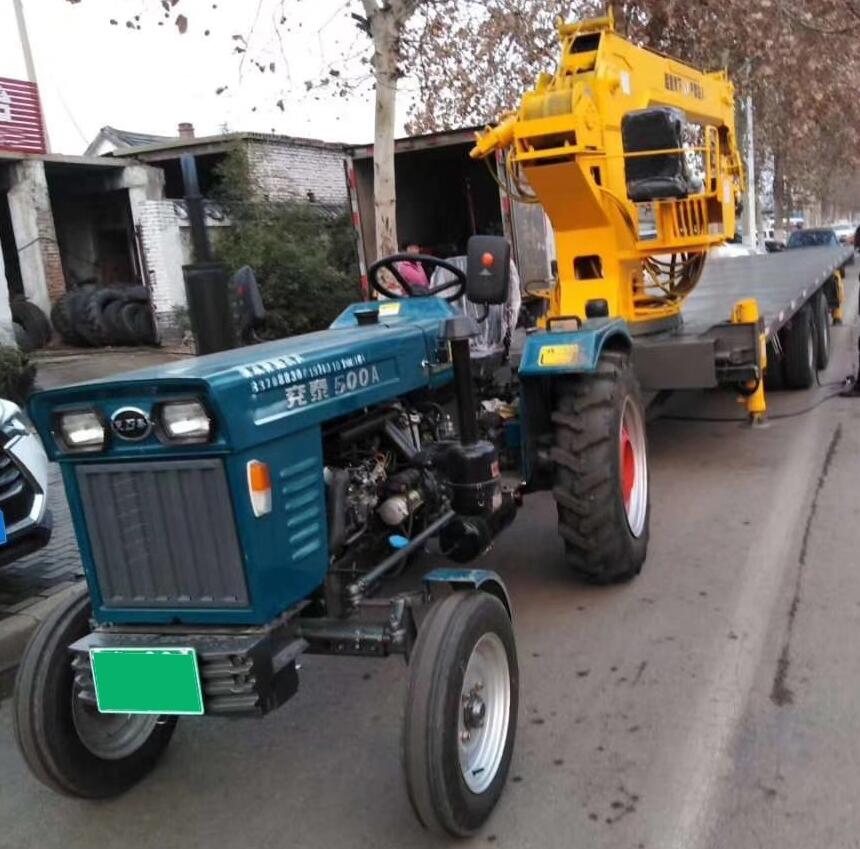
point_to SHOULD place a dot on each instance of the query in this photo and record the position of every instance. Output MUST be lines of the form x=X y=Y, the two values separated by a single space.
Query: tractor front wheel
x=67 y=744
x=600 y=453
x=461 y=712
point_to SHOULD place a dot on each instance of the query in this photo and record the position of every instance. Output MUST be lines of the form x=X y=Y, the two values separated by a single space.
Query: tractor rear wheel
x=461 y=712
x=601 y=489
x=67 y=744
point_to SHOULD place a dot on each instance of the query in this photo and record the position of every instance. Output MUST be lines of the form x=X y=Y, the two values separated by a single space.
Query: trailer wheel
x=461 y=712
x=799 y=347
x=601 y=486
x=67 y=744
x=822 y=331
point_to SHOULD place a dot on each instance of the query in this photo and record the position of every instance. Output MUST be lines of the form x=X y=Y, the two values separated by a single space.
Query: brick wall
x=289 y=170
x=163 y=255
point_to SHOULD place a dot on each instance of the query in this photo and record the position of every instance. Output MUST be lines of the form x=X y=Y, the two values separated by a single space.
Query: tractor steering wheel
x=458 y=284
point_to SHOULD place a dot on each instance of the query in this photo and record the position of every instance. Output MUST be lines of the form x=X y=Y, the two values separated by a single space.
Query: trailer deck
x=707 y=350
x=781 y=283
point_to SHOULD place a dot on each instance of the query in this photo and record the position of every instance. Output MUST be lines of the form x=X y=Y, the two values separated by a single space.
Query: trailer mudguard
x=549 y=355
x=478 y=579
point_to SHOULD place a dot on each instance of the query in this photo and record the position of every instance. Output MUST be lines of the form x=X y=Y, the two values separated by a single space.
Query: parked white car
x=25 y=521
x=844 y=232
x=732 y=249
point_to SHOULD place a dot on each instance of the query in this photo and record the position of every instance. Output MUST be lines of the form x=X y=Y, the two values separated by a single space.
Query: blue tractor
x=238 y=510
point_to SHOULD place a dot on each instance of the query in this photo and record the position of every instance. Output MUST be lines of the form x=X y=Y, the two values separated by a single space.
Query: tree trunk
x=778 y=194
x=385 y=28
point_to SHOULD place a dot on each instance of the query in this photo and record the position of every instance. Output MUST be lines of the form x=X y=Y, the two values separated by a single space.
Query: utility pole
x=749 y=150
x=28 y=61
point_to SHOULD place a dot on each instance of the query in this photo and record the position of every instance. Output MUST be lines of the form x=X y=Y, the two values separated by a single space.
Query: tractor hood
x=265 y=391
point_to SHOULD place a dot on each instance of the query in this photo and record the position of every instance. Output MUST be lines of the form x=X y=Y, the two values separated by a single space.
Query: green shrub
x=17 y=375
x=304 y=258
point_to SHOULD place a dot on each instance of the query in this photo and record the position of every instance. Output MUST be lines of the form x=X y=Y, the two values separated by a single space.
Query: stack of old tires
x=31 y=325
x=97 y=316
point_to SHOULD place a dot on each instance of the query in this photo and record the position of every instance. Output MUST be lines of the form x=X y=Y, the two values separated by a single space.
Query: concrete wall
x=7 y=336
x=297 y=171
x=33 y=224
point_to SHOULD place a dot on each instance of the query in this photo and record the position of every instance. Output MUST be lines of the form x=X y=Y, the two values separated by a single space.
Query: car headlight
x=185 y=421
x=81 y=430
x=15 y=424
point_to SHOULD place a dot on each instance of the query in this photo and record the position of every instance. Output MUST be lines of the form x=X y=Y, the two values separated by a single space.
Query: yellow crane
x=633 y=156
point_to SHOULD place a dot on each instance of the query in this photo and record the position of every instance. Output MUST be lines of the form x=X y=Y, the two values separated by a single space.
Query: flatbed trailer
x=715 y=343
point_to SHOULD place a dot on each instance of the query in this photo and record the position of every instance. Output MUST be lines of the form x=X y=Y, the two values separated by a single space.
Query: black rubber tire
x=138 y=294
x=114 y=328
x=32 y=319
x=78 y=307
x=592 y=521
x=145 y=325
x=774 y=377
x=822 y=331
x=91 y=312
x=437 y=791
x=799 y=347
x=95 y=307
x=44 y=727
x=64 y=323
x=22 y=338
x=137 y=324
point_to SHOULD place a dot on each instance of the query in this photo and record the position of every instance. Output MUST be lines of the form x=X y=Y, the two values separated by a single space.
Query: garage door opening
x=443 y=198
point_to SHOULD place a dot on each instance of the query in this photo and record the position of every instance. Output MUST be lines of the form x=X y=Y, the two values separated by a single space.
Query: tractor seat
x=663 y=175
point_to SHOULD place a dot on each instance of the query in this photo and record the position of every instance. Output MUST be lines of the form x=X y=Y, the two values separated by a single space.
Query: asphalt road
x=710 y=703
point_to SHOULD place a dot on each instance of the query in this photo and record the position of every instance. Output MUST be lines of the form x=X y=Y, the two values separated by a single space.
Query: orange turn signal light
x=260 y=487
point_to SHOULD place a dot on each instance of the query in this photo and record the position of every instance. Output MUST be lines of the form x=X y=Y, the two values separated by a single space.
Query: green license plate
x=147 y=681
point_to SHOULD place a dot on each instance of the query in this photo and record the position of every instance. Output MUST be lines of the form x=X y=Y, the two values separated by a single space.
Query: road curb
x=16 y=630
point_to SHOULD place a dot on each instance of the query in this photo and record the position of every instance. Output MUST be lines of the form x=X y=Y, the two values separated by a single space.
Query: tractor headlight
x=185 y=421
x=80 y=430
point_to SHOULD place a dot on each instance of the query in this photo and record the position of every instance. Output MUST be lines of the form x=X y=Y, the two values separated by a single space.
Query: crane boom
x=634 y=158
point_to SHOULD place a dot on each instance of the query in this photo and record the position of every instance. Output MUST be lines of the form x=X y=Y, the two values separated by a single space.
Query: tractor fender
x=572 y=351
x=484 y=580
x=557 y=354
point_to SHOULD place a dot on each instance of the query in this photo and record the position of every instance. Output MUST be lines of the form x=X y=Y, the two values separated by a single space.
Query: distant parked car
x=25 y=522
x=845 y=232
x=815 y=237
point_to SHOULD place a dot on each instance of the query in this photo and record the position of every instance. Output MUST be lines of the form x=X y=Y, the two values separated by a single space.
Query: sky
x=92 y=73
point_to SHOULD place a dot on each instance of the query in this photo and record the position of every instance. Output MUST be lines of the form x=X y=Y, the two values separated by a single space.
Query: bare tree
x=384 y=22
x=800 y=68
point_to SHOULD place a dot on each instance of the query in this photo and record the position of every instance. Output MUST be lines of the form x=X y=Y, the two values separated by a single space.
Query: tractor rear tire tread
x=592 y=520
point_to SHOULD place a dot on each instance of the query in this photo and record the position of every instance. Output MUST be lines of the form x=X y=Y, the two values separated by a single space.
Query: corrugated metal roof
x=124 y=139
x=224 y=141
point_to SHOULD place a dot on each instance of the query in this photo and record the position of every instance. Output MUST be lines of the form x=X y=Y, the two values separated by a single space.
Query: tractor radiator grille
x=163 y=534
